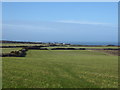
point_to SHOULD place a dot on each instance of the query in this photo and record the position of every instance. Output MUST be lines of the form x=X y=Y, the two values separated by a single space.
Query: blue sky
x=81 y=21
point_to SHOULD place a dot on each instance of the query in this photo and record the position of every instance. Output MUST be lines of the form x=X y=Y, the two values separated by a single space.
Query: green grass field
x=14 y=44
x=61 y=69
x=8 y=50
x=82 y=47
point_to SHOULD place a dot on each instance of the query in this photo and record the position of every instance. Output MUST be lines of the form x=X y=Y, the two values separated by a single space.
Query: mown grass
x=61 y=69
x=14 y=44
x=8 y=50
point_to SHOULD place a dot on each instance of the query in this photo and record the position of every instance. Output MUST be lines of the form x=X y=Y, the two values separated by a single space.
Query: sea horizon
x=71 y=42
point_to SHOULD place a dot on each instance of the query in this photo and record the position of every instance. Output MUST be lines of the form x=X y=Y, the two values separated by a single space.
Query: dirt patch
x=111 y=52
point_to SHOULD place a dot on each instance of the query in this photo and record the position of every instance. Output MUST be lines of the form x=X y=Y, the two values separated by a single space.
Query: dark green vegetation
x=61 y=69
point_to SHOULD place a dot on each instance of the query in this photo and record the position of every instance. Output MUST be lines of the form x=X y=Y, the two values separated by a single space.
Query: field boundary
x=22 y=52
x=19 y=53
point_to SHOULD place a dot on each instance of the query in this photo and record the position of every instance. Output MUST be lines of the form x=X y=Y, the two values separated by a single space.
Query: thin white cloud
x=27 y=27
x=82 y=22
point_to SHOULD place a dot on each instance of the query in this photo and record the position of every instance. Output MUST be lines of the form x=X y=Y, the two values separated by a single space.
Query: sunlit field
x=61 y=69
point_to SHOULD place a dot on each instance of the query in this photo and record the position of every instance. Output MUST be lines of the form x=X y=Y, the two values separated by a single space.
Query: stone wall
x=19 y=53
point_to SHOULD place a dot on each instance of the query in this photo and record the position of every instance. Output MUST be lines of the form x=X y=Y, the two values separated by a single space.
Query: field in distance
x=61 y=69
x=64 y=46
x=8 y=50
x=21 y=44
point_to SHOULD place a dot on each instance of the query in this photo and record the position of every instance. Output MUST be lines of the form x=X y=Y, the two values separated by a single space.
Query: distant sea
x=91 y=43
x=73 y=42
x=94 y=43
